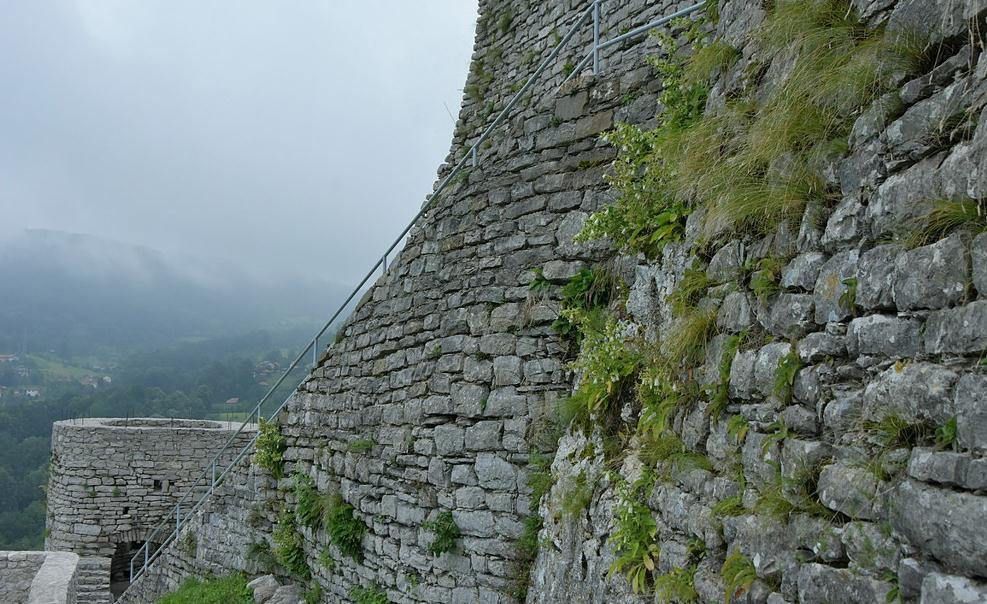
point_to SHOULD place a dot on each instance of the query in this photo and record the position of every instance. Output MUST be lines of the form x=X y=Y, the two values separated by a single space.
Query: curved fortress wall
x=112 y=480
x=428 y=401
x=447 y=359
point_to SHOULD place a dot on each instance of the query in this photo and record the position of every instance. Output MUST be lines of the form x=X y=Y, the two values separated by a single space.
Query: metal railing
x=215 y=473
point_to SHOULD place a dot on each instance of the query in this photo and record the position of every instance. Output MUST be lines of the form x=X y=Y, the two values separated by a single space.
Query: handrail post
x=131 y=570
x=178 y=517
x=147 y=554
x=214 y=473
x=476 y=160
x=315 y=352
x=383 y=260
x=596 y=37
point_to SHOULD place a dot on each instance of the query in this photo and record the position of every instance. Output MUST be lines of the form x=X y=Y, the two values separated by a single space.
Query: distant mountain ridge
x=71 y=293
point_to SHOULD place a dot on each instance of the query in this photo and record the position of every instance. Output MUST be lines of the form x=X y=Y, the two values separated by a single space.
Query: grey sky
x=301 y=132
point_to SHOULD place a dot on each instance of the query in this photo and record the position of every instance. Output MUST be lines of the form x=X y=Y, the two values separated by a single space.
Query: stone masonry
x=53 y=578
x=112 y=480
x=428 y=400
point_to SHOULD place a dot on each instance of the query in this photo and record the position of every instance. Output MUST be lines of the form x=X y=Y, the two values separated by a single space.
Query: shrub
x=269 y=448
x=446 y=532
x=230 y=589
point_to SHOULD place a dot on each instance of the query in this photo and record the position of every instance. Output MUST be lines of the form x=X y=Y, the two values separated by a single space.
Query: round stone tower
x=113 y=480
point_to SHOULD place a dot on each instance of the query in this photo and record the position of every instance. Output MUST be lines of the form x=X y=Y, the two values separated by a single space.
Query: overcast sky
x=303 y=132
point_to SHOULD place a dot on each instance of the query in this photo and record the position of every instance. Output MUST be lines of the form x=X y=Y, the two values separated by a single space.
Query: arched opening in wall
x=120 y=565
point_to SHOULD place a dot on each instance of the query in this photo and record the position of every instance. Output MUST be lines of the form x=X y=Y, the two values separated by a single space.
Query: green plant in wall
x=848 y=299
x=785 y=373
x=607 y=363
x=260 y=554
x=326 y=560
x=577 y=496
x=737 y=428
x=588 y=290
x=645 y=218
x=893 y=431
x=289 y=546
x=689 y=291
x=729 y=506
x=945 y=435
x=634 y=541
x=313 y=595
x=719 y=393
x=344 y=528
x=708 y=61
x=505 y=20
x=270 y=447
x=188 y=545
x=943 y=217
x=685 y=344
x=738 y=575
x=765 y=278
x=360 y=445
x=310 y=504
x=676 y=587
x=372 y=594
x=661 y=397
x=446 y=533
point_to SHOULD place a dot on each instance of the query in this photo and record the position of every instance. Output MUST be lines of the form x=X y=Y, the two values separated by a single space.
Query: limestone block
x=932 y=276
x=917 y=391
x=971 y=412
x=875 y=276
x=957 y=330
x=958 y=538
x=885 y=336
x=819 y=584
x=832 y=286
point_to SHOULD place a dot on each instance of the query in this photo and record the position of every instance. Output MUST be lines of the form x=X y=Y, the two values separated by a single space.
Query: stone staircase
x=93 y=581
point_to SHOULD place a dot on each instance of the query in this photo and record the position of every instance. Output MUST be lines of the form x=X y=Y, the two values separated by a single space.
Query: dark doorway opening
x=120 y=565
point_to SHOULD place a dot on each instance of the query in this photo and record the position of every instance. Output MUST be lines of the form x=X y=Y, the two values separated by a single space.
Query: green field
x=58 y=370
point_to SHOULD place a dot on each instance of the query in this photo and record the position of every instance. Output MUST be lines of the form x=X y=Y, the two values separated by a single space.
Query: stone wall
x=448 y=358
x=112 y=480
x=17 y=570
x=886 y=337
x=429 y=399
x=52 y=578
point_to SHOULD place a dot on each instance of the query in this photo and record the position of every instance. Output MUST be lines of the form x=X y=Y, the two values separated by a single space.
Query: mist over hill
x=74 y=294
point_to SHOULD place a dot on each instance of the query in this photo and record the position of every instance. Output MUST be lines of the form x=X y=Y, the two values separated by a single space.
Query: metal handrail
x=174 y=518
